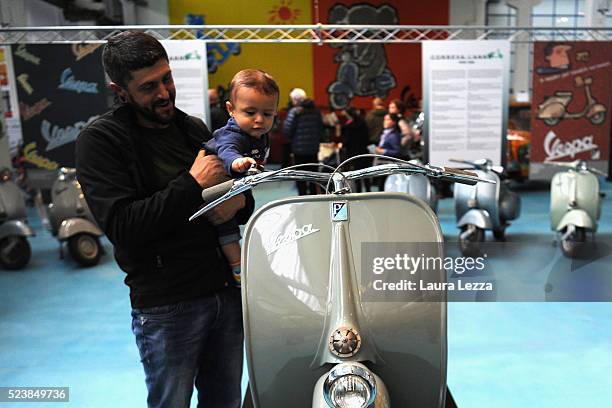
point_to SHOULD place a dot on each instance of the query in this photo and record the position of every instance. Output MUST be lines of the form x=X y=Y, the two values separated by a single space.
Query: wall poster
x=466 y=86
x=570 y=111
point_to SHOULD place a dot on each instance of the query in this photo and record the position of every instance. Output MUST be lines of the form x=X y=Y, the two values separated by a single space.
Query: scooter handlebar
x=210 y=194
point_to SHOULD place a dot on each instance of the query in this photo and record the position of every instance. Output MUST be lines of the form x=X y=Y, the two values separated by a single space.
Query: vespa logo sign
x=339 y=211
x=556 y=149
x=292 y=236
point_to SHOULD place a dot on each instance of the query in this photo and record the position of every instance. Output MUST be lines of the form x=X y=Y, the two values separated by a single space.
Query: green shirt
x=166 y=152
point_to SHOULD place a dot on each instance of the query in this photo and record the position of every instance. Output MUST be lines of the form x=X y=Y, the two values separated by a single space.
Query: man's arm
x=289 y=123
x=112 y=194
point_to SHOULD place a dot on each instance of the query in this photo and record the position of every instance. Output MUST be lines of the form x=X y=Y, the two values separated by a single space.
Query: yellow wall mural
x=290 y=64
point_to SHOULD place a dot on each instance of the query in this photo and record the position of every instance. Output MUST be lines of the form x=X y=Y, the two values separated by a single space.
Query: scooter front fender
x=15 y=227
x=477 y=217
x=73 y=226
x=577 y=217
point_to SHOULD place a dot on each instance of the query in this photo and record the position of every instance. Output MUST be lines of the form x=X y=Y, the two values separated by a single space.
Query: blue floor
x=65 y=326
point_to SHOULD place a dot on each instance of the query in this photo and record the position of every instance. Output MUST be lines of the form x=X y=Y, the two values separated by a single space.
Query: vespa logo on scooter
x=292 y=236
x=339 y=211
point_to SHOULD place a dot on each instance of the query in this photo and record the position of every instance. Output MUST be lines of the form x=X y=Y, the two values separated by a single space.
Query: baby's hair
x=254 y=79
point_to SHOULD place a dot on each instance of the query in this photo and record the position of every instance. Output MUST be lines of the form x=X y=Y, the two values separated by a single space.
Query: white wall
x=467 y=12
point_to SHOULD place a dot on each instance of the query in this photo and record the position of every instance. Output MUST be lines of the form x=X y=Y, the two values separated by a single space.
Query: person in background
x=397 y=107
x=389 y=144
x=355 y=140
x=390 y=141
x=218 y=113
x=304 y=127
x=374 y=119
x=142 y=171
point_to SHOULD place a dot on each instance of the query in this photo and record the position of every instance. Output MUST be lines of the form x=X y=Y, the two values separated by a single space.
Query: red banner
x=351 y=74
x=571 y=104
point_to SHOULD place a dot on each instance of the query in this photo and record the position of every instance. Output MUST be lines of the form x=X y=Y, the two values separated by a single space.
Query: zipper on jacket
x=158 y=259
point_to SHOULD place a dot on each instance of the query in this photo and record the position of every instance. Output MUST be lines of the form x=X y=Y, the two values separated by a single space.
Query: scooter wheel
x=499 y=234
x=15 y=252
x=572 y=245
x=85 y=249
x=470 y=245
x=552 y=121
x=598 y=118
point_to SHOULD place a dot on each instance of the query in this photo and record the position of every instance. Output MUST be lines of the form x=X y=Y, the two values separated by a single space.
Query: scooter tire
x=572 y=245
x=85 y=249
x=598 y=118
x=552 y=121
x=471 y=246
x=15 y=252
x=499 y=234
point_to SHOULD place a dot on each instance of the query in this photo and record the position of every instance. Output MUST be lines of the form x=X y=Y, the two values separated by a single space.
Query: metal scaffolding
x=309 y=34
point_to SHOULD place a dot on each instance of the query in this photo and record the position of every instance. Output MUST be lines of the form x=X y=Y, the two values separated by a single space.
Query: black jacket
x=304 y=127
x=167 y=258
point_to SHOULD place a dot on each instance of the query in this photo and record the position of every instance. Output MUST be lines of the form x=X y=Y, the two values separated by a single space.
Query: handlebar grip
x=210 y=194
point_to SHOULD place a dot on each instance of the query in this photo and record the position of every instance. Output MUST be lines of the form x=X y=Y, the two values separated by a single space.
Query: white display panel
x=465 y=99
x=190 y=72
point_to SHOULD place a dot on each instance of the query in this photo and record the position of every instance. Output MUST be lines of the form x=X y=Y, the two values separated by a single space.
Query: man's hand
x=226 y=211
x=208 y=170
x=243 y=164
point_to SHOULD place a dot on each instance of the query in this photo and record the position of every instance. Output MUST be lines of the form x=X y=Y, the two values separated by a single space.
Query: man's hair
x=399 y=104
x=297 y=95
x=130 y=51
x=255 y=79
x=378 y=102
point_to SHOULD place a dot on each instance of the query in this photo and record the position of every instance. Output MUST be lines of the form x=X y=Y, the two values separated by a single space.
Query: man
x=304 y=127
x=218 y=113
x=374 y=119
x=142 y=172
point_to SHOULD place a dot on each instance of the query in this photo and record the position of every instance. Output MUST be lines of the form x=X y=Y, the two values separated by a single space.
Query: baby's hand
x=241 y=165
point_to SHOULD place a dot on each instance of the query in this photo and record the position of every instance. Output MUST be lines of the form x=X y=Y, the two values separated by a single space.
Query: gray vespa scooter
x=483 y=206
x=575 y=204
x=417 y=185
x=15 y=251
x=71 y=221
x=311 y=339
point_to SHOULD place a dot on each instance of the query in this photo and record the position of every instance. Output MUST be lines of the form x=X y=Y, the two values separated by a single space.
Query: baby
x=243 y=141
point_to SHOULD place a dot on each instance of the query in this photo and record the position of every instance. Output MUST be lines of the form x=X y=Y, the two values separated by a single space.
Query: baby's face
x=253 y=111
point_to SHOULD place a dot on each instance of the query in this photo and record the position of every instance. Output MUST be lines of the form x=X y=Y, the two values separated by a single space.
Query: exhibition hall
x=305 y=203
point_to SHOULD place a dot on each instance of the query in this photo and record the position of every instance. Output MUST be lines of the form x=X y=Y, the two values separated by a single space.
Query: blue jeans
x=197 y=342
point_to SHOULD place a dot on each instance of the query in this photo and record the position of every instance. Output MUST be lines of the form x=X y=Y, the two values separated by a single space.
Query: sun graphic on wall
x=283 y=13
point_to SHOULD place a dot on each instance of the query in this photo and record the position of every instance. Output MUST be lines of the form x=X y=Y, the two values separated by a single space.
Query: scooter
x=484 y=207
x=554 y=108
x=417 y=185
x=15 y=251
x=311 y=338
x=575 y=204
x=70 y=219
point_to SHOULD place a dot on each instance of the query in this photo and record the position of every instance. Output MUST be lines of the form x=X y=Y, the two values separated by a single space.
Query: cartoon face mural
x=362 y=67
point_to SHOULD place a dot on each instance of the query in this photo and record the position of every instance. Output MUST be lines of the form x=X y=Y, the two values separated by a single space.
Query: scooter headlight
x=349 y=385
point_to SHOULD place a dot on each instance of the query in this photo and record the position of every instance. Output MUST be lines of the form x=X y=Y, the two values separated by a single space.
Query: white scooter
x=312 y=340
x=15 y=251
x=575 y=204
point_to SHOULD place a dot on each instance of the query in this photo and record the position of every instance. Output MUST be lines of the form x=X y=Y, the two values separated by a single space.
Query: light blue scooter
x=483 y=206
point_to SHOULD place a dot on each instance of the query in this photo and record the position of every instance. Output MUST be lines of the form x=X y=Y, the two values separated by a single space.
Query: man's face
x=253 y=111
x=151 y=93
